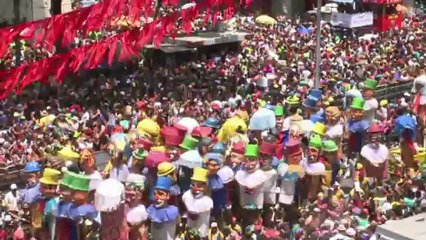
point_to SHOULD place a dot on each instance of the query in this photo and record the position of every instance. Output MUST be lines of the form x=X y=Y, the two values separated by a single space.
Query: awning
x=411 y=228
x=343 y=1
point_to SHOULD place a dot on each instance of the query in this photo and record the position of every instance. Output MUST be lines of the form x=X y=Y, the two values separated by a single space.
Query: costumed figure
x=251 y=180
x=419 y=104
x=279 y=117
x=110 y=202
x=49 y=192
x=266 y=157
x=167 y=169
x=136 y=214
x=117 y=166
x=188 y=145
x=370 y=105
x=217 y=183
x=136 y=162
x=334 y=127
x=375 y=155
x=172 y=138
x=290 y=172
x=81 y=209
x=330 y=161
x=65 y=226
x=294 y=121
x=149 y=132
x=406 y=128
x=198 y=205
x=31 y=195
x=87 y=164
x=313 y=167
x=357 y=126
x=235 y=157
x=164 y=217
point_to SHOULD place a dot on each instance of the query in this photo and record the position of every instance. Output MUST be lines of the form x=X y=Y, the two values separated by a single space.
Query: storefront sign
x=352 y=20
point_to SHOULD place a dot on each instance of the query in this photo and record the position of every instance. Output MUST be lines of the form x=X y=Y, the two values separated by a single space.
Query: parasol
x=265 y=20
x=68 y=154
x=109 y=195
x=190 y=159
x=188 y=123
x=263 y=119
x=230 y=127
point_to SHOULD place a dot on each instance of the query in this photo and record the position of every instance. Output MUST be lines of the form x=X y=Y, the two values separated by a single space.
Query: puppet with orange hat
x=197 y=203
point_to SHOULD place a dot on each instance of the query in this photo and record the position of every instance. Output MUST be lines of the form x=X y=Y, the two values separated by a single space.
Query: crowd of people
x=232 y=146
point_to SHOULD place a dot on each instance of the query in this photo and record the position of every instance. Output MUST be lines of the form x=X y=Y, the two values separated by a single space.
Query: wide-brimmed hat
x=319 y=128
x=50 y=176
x=165 y=168
x=32 y=167
x=315 y=94
x=80 y=183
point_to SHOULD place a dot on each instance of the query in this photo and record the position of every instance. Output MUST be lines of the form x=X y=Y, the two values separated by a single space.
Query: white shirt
x=11 y=201
x=95 y=180
x=201 y=207
x=370 y=108
x=119 y=173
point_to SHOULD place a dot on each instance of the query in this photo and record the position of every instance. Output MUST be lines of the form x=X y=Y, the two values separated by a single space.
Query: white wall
x=29 y=9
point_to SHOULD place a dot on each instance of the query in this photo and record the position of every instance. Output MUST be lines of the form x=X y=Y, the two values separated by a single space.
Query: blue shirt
x=31 y=195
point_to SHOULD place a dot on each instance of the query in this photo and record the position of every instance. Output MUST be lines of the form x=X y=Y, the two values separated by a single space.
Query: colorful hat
x=211 y=122
x=238 y=147
x=200 y=174
x=32 y=167
x=160 y=149
x=315 y=142
x=310 y=102
x=165 y=168
x=139 y=154
x=189 y=143
x=251 y=150
x=171 y=136
x=293 y=100
x=219 y=148
x=267 y=148
x=80 y=183
x=213 y=156
x=333 y=112
x=319 y=128
x=67 y=179
x=329 y=146
x=155 y=158
x=315 y=94
x=375 y=128
x=358 y=103
x=163 y=183
x=292 y=147
x=50 y=176
x=316 y=118
x=200 y=131
x=279 y=111
x=370 y=84
x=383 y=102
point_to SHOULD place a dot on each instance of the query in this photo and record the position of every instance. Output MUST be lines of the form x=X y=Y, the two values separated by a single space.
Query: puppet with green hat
x=251 y=180
x=314 y=168
x=329 y=154
x=356 y=125
x=279 y=116
x=64 y=224
x=371 y=104
x=189 y=143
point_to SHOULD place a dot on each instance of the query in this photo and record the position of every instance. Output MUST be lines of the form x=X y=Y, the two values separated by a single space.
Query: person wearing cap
x=214 y=232
x=266 y=156
x=136 y=213
x=374 y=154
x=164 y=217
x=11 y=198
x=251 y=180
x=198 y=205
x=49 y=184
x=370 y=105
x=356 y=126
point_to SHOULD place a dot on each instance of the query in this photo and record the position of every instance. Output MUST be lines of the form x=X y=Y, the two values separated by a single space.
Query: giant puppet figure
x=65 y=226
x=49 y=185
x=374 y=154
x=419 y=107
x=163 y=217
x=198 y=204
x=251 y=180
x=334 y=127
x=31 y=195
x=314 y=168
x=356 y=125
x=109 y=202
x=136 y=214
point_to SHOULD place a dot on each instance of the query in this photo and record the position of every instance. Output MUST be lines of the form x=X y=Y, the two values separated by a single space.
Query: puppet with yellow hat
x=167 y=169
x=49 y=185
x=197 y=203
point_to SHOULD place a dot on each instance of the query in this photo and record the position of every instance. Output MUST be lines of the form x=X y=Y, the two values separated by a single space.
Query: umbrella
x=155 y=158
x=265 y=20
x=188 y=123
x=108 y=195
x=230 y=127
x=68 y=154
x=190 y=159
x=263 y=119
x=303 y=30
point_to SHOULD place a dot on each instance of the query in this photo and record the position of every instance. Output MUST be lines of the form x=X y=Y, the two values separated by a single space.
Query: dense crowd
x=231 y=146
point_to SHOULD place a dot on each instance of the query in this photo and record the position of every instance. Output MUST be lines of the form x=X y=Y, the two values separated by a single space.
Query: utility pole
x=318 y=46
x=17 y=20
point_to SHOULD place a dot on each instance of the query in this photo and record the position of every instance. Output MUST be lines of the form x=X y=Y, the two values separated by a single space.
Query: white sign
x=352 y=20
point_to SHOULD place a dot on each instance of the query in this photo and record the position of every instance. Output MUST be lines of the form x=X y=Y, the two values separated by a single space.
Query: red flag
x=62 y=66
x=100 y=53
x=32 y=75
x=112 y=50
x=9 y=83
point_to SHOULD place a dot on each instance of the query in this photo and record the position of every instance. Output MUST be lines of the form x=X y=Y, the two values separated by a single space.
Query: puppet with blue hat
x=163 y=216
x=31 y=195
